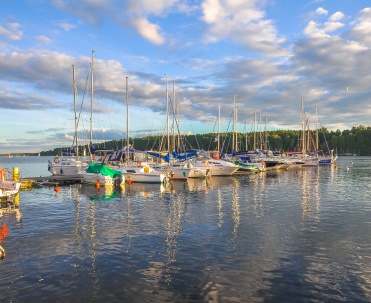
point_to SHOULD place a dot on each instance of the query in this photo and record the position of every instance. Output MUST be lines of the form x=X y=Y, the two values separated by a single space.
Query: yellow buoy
x=15 y=173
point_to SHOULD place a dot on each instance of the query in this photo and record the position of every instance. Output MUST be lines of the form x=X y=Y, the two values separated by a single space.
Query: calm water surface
x=293 y=236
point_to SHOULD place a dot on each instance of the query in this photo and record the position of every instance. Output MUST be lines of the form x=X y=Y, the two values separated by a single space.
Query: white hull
x=198 y=172
x=66 y=167
x=91 y=178
x=8 y=189
x=174 y=173
x=221 y=168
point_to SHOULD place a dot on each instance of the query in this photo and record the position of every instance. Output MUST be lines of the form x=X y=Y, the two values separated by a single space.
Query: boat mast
x=303 y=128
x=127 y=121
x=265 y=135
x=74 y=109
x=234 y=118
x=219 y=130
x=167 y=117
x=254 y=147
x=317 y=130
x=173 y=115
x=179 y=143
x=91 y=96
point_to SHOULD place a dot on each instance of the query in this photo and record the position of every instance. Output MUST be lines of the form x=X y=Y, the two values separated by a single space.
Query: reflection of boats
x=93 y=193
x=8 y=188
x=144 y=189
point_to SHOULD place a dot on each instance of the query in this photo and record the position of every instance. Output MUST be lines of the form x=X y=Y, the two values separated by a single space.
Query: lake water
x=292 y=236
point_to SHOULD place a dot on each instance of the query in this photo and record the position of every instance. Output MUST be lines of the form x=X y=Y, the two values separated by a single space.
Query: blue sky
x=269 y=54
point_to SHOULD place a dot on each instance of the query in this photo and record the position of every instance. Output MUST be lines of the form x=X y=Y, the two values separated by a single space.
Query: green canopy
x=103 y=169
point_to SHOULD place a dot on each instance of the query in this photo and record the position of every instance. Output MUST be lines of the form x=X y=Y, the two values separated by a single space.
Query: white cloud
x=337 y=16
x=241 y=21
x=362 y=30
x=321 y=11
x=148 y=30
x=66 y=25
x=313 y=30
x=11 y=31
x=146 y=7
x=332 y=26
x=43 y=39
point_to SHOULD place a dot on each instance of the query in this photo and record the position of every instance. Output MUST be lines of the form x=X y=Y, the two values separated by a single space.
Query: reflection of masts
x=235 y=209
x=220 y=208
x=93 y=244
x=77 y=234
x=173 y=230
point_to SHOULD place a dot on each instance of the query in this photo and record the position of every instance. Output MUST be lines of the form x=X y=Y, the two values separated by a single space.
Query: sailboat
x=98 y=172
x=9 y=155
x=70 y=166
x=136 y=171
x=175 y=173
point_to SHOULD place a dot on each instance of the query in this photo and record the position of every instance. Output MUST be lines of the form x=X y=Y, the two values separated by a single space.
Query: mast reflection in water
x=300 y=235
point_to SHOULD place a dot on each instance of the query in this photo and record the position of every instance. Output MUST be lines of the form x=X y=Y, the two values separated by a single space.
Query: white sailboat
x=98 y=172
x=137 y=171
x=174 y=172
x=70 y=166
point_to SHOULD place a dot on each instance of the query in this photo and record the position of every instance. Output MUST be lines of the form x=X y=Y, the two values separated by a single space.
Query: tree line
x=347 y=142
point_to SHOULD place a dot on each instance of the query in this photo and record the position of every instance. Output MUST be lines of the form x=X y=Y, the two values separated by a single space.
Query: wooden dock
x=50 y=181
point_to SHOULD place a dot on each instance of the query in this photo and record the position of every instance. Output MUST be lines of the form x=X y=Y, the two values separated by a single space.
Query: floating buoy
x=56 y=188
x=97 y=185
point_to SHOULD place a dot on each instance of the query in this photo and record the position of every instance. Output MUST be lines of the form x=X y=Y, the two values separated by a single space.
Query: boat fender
x=56 y=160
x=139 y=163
x=2 y=253
x=61 y=171
x=146 y=169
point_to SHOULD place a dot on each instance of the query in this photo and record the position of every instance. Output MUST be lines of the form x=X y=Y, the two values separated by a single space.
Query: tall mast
x=236 y=126
x=219 y=129
x=317 y=129
x=91 y=96
x=127 y=120
x=260 y=132
x=178 y=107
x=303 y=128
x=173 y=115
x=254 y=145
x=167 y=117
x=246 y=148
x=265 y=133
x=74 y=109
x=234 y=118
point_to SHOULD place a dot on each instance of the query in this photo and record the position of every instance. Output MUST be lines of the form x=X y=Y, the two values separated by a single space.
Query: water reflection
x=310 y=194
x=287 y=236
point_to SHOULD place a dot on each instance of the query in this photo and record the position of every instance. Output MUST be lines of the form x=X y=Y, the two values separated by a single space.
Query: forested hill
x=354 y=141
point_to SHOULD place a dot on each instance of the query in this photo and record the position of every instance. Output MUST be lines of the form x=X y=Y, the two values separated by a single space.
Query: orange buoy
x=129 y=181
x=56 y=188
x=97 y=185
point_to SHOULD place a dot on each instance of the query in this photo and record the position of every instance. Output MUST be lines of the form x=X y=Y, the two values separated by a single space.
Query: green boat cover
x=103 y=169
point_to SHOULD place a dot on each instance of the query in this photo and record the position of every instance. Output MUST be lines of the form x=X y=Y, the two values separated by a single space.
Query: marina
x=300 y=235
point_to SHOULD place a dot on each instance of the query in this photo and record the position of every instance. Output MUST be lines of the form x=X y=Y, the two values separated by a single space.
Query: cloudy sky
x=268 y=55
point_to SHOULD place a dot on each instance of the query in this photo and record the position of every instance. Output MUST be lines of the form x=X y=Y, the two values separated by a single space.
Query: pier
x=50 y=181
